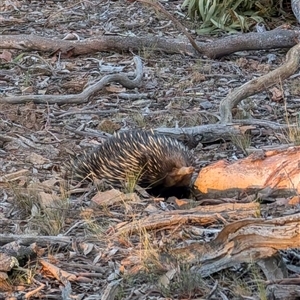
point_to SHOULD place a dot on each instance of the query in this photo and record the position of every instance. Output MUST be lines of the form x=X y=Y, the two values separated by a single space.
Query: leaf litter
x=83 y=260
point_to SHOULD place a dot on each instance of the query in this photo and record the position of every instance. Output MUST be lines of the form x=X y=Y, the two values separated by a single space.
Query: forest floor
x=36 y=140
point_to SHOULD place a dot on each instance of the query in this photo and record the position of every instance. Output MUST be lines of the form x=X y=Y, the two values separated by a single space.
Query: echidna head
x=179 y=177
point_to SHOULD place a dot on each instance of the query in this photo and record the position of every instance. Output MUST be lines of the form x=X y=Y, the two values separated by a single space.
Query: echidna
x=153 y=160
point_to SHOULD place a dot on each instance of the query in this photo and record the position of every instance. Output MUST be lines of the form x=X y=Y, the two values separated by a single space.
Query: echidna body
x=153 y=160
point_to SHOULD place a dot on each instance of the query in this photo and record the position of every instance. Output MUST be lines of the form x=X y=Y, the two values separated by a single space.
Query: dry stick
x=30 y=294
x=257 y=85
x=85 y=95
x=160 y=8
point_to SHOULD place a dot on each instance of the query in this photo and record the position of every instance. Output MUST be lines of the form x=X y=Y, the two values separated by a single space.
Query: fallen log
x=277 y=170
x=247 y=240
x=277 y=38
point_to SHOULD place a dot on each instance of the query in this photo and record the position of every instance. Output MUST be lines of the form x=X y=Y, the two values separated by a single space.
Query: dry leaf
x=6 y=55
x=277 y=94
x=108 y=198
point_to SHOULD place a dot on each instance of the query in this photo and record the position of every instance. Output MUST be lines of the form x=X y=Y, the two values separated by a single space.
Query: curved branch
x=257 y=85
x=85 y=95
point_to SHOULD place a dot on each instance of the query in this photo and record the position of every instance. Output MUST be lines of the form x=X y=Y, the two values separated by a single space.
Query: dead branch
x=242 y=241
x=200 y=215
x=259 y=84
x=85 y=95
x=277 y=38
x=213 y=132
x=203 y=133
x=92 y=45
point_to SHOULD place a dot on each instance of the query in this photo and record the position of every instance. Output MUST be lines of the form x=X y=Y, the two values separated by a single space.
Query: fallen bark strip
x=242 y=241
x=85 y=95
x=277 y=38
x=57 y=272
x=200 y=215
x=257 y=85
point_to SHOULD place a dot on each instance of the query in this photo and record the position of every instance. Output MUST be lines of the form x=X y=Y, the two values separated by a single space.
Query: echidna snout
x=179 y=177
